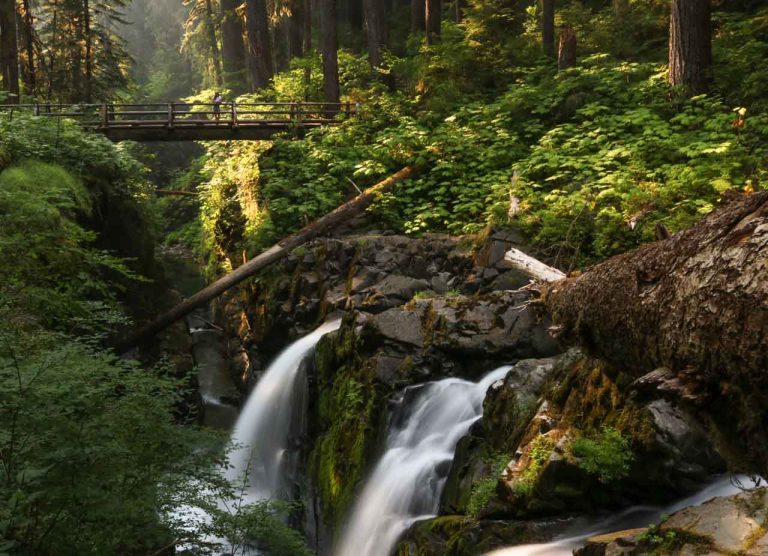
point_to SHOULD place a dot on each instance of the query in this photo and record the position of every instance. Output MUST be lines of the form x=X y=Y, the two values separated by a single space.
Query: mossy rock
x=462 y=536
x=346 y=415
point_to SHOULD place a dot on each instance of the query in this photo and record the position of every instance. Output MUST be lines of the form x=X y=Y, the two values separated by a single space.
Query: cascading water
x=261 y=436
x=407 y=483
x=637 y=516
x=261 y=433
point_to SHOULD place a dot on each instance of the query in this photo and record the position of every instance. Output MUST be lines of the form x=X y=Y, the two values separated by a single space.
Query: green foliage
x=540 y=452
x=607 y=456
x=87 y=441
x=484 y=490
x=56 y=278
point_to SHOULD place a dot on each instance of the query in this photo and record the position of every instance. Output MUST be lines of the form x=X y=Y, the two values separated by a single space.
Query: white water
x=261 y=433
x=260 y=437
x=638 y=516
x=407 y=482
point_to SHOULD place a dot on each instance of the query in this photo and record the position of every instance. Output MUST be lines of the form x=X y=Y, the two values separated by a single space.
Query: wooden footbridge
x=193 y=121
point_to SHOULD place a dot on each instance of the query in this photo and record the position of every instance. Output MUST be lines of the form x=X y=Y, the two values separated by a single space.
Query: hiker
x=217 y=100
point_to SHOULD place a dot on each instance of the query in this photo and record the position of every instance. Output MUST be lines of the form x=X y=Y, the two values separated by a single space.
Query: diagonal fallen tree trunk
x=693 y=306
x=274 y=253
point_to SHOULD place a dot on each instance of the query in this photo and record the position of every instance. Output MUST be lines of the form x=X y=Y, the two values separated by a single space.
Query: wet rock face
x=638 y=450
x=457 y=336
x=722 y=526
x=371 y=274
x=455 y=535
x=507 y=411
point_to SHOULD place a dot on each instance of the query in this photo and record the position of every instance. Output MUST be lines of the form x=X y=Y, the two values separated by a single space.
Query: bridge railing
x=178 y=114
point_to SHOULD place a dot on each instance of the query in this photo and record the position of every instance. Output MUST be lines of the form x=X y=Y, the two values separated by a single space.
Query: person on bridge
x=217 y=100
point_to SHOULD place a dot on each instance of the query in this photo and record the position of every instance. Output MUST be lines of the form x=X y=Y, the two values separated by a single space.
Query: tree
x=418 y=14
x=690 y=46
x=687 y=315
x=295 y=27
x=28 y=34
x=566 y=53
x=548 y=27
x=433 y=19
x=260 y=63
x=376 y=30
x=202 y=19
x=232 y=47
x=9 y=55
x=329 y=46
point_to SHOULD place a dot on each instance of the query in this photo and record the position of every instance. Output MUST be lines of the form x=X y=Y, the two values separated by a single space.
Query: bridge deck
x=194 y=122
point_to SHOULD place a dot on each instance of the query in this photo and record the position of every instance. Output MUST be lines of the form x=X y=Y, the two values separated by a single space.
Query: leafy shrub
x=608 y=456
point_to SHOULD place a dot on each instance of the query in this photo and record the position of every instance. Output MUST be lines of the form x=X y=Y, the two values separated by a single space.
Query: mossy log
x=694 y=305
x=340 y=215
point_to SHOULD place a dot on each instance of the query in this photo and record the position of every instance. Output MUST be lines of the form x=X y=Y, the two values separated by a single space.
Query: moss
x=461 y=536
x=670 y=541
x=349 y=405
x=591 y=398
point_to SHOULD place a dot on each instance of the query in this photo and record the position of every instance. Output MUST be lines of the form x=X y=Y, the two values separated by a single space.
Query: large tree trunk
x=295 y=28
x=213 y=43
x=259 y=47
x=9 y=55
x=30 y=77
x=329 y=46
x=232 y=47
x=342 y=214
x=376 y=30
x=418 y=16
x=548 y=27
x=690 y=45
x=695 y=305
x=433 y=15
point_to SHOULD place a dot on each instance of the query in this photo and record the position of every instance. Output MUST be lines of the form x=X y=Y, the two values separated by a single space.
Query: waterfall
x=406 y=484
x=261 y=433
x=637 y=516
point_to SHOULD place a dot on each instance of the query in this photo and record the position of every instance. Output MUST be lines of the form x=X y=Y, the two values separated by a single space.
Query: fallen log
x=274 y=253
x=695 y=304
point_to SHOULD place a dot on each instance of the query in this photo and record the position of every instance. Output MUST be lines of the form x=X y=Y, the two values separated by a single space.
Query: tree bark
x=232 y=47
x=9 y=55
x=376 y=30
x=295 y=28
x=433 y=16
x=566 y=53
x=548 y=27
x=259 y=47
x=30 y=76
x=689 y=313
x=274 y=253
x=418 y=16
x=213 y=44
x=329 y=46
x=690 y=46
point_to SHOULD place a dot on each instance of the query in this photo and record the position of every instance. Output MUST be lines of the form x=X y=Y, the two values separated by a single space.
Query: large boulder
x=722 y=526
